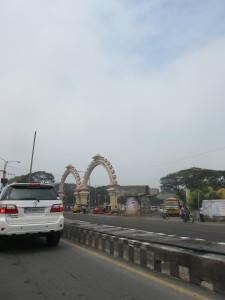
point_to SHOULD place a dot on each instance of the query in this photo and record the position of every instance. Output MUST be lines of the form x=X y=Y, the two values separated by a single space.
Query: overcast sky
x=141 y=82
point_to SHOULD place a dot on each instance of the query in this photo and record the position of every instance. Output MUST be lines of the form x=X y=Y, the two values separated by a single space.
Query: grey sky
x=139 y=82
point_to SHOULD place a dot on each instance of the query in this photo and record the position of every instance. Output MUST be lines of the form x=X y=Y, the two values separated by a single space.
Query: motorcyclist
x=186 y=212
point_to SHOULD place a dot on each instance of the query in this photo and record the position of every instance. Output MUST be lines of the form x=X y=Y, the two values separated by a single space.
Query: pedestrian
x=161 y=212
x=201 y=214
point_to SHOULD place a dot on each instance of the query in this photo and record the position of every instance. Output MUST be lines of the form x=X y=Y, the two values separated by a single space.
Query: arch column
x=61 y=195
x=113 y=199
x=82 y=198
x=77 y=198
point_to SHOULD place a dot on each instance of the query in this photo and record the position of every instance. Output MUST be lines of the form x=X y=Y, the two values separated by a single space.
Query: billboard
x=214 y=208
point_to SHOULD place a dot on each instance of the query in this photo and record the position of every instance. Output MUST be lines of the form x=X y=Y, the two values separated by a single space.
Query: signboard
x=214 y=208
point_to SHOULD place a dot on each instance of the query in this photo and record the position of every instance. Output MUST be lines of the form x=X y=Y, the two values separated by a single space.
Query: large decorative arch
x=100 y=160
x=81 y=192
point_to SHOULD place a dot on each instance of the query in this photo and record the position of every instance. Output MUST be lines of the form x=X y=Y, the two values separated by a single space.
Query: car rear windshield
x=30 y=193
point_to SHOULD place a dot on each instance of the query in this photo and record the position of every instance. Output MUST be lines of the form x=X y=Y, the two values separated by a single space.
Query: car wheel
x=53 y=239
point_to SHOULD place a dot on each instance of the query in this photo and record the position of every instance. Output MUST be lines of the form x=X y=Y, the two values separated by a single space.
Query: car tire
x=53 y=239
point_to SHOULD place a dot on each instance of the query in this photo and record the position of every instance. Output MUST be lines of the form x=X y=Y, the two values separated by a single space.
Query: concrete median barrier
x=191 y=265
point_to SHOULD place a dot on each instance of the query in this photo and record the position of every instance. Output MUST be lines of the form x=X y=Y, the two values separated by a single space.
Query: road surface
x=32 y=270
x=209 y=231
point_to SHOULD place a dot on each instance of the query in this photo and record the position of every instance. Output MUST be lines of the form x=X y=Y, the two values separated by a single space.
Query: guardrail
x=191 y=265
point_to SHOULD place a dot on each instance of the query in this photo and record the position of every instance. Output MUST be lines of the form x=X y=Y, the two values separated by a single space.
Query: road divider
x=169 y=255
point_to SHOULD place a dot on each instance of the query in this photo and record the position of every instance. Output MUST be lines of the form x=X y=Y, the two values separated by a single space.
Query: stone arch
x=81 y=192
x=100 y=160
x=70 y=170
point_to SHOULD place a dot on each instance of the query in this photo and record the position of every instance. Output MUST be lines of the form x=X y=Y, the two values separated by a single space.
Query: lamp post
x=4 y=169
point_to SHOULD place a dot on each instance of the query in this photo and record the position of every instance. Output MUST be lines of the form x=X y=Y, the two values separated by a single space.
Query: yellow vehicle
x=76 y=209
x=172 y=206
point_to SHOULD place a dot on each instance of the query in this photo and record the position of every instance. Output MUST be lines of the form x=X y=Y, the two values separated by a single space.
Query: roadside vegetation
x=195 y=184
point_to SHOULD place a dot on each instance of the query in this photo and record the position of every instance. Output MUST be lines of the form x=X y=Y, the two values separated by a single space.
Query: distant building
x=138 y=198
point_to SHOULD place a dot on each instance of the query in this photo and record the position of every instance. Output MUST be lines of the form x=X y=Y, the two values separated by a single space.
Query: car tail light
x=56 y=208
x=8 y=209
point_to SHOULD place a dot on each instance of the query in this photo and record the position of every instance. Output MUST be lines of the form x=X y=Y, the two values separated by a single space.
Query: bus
x=172 y=206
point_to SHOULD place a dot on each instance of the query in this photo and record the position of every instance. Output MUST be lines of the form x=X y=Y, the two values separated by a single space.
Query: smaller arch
x=70 y=169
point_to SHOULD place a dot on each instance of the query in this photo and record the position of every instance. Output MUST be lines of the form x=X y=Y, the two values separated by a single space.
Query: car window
x=27 y=193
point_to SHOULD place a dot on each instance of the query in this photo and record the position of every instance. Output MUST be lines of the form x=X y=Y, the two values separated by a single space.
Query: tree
x=195 y=197
x=221 y=193
x=192 y=179
x=37 y=177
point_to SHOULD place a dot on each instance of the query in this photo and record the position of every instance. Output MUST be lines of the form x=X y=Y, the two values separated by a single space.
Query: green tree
x=192 y=179
x=195 y=196
x=221 y=193
x=37 y=177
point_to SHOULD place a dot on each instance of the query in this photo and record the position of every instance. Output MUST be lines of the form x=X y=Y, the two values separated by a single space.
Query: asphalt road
x=32 y=270
x=209 y=231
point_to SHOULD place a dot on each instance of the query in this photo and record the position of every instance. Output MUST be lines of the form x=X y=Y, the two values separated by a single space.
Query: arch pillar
x=61 y=195
x=113 y=199
x=77 y=198
x=82 y=198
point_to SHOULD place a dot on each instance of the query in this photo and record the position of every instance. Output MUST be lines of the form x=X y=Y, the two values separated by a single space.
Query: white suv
x=31 y=208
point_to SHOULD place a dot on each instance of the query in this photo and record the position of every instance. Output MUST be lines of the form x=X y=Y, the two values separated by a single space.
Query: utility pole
x=31 y=163
x=198 y=201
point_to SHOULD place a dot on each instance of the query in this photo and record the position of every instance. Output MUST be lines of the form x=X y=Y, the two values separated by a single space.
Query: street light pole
x=4 y=169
